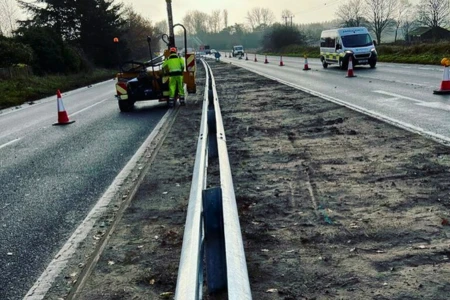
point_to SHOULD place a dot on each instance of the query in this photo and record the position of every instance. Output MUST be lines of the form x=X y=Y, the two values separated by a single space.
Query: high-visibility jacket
x=174 y=65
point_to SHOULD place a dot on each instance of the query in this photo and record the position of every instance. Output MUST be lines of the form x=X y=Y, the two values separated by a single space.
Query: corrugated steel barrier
x=212 y=236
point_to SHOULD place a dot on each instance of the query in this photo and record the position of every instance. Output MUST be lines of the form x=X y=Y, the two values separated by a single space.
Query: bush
x=12 y=53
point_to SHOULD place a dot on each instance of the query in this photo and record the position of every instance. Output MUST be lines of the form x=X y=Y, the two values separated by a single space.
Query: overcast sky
x=305 y=11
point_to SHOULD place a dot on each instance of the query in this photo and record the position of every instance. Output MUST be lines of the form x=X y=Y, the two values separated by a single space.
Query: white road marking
x=407 y=126
x=86 y=108
x=397 y=96
x=9 y=143
x=45 y=281
x=437 y=105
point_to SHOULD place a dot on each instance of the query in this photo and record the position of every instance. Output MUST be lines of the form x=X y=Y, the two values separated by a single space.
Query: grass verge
x=24 y=89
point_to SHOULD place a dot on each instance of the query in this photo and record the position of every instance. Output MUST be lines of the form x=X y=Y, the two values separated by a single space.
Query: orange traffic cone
x=246 y=56
x=266 y=61
x=281 y=61
x=63 y=119
x=306 y=67
x=445 y=83
x=350 y=68
x=255 y=58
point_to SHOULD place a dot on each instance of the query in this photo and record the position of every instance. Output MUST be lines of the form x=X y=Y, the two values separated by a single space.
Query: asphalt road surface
x=52 y=176
x=397 y=93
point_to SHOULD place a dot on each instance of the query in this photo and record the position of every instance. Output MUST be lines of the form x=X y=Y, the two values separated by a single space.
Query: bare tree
x=351 y=13
x=215 y=21
x=403 y=14
x=137 y=30
x=380 y=14
x=162 y=27
x=287 y=16
x=196 y=22
x=225 y=18
x=433 y=13
x=258 y=17
x=8 y=17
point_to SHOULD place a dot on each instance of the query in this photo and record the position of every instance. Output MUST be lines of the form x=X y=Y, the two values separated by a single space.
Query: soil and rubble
x=333 y=204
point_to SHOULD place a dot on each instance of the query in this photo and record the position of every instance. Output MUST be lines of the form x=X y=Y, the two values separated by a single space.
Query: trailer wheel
x=126 y=106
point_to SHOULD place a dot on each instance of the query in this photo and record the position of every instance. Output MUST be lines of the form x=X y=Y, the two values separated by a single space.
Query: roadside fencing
x=212 y=237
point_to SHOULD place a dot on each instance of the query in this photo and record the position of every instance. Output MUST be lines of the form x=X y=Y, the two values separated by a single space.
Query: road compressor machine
x=142 y=81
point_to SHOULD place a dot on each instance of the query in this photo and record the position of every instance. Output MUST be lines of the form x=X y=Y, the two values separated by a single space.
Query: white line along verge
x=45 y=281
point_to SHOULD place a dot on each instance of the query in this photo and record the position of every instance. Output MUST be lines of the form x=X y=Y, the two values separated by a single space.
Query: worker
x=174 y=66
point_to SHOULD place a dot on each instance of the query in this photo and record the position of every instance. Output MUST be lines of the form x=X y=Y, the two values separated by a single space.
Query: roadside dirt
x=333 y=204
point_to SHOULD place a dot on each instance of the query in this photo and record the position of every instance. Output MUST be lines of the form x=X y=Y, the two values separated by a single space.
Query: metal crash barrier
x=212 y=236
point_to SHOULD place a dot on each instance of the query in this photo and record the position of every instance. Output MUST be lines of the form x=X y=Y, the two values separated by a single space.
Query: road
x=52 y=176
x=397 y=93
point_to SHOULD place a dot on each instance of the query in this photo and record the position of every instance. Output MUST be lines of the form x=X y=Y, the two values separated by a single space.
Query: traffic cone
x=255 y=58
x=266 y=61
x=63 y=119
x=306 y=67
x=445 y=83
x=281 y=61
x=246 y=56
x=350 y=68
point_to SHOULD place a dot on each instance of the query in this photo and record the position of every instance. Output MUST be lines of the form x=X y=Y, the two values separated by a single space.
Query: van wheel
x=373 y=64
x=324 y=64
x=342 y=64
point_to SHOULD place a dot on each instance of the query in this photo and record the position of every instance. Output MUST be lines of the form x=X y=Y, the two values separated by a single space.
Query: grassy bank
x=411 y=54
x=23 y=89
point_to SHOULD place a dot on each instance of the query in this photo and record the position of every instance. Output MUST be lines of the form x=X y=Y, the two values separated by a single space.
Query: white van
x=337 y=45
x=238 y=50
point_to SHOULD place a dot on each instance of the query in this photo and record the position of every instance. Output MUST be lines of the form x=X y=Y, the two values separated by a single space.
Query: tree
x=8 y=17
x=196 y=22
x=12 y=52
x=225 y=18
x=88 y=24
x=214 y=21
x=260 y=17
x=380 y=14
x=136 y=32
x=402 y=15
x=279 y=36
x=351 y=13
x=287 y=16
x=51 y=53
x=433 y=13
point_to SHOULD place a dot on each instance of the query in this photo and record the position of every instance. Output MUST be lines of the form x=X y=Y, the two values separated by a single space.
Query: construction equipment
x=141 y=81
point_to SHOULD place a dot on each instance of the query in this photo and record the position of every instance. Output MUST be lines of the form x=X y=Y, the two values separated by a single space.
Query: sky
x=304 y=11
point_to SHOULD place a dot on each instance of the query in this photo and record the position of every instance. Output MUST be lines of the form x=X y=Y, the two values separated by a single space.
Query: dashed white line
x=86 y=108
x=9 y=143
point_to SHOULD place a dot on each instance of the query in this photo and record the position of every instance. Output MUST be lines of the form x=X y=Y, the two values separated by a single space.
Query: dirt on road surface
x=333 y=204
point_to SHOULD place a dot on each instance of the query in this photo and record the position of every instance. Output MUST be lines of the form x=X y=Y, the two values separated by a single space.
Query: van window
x=357 y=40
x=327 y=42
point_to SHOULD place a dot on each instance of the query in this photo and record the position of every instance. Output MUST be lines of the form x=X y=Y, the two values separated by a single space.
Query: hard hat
x=173 y=50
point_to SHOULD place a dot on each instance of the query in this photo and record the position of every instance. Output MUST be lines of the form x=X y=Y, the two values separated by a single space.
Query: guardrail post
x=214 y=243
